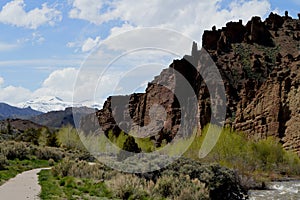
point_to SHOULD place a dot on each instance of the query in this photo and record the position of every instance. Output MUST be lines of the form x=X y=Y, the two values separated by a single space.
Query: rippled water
x=289 y=190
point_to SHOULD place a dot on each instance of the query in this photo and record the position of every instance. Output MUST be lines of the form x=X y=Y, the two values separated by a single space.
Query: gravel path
x=24 y=186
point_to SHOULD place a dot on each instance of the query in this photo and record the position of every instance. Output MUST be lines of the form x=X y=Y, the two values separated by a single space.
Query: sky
x=47 y=47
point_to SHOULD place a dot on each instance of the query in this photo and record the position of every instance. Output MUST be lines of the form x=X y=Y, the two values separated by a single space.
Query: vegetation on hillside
x=33 y=148
x=185 y=179
x=71 y=177
x=235 y=150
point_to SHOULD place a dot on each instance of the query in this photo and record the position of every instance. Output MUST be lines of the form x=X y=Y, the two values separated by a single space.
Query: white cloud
x=89 y=44
x=188 y=17
x=35 y=38
x=44 y=63
x=1 y=80
x=13 y=95
x=61 y=78
x=14 y=13
x=86 y=45
x=59 y=83
x=89 y=10
x=7 y=47
x=71 y=44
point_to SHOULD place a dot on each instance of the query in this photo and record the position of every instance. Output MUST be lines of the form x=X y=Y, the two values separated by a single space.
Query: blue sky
x=44 y=43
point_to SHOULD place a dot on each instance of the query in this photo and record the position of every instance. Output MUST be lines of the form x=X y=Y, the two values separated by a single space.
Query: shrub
x=219 y=181
x=3 y=161
x=179 y=187
x=51 y=162
x=146 y=144
x=269 y=154
x=235 y=150
x=62 y=169
x=69 y=138
x=13 y=150
x=46 y=153
x=127 y=187
x=30 y=135
x=129 y=145
x=191 y=193
x=52 y=140
x=48 y=138
x=166 y=186
x=81 y=169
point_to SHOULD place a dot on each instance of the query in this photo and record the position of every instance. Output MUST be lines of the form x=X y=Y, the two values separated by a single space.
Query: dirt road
x=24 y=186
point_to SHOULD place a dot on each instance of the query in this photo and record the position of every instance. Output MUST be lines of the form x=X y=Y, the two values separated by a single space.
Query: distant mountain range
x=52 y=103
x=7 y=111
x=55 y=113
x=46 y=104
x=57 y=119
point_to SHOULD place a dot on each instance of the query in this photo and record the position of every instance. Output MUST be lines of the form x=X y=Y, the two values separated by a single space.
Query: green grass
x=234 y=150
x=50 y=186
x=54 y=187
x=18 y=166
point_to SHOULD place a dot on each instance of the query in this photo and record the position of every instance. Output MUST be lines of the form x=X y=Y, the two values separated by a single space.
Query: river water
x=289 y=190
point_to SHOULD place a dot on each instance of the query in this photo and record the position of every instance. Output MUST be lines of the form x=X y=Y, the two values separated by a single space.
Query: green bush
x=69 y=138
x=13 y=150
x=51 y=162
x=235 y=150
x=63 y=168
x=129 y=145
x=268 y=154
x=167 y=186
x=127 y=187
x=3 y=162
x=82 y=169
x=46 y=153
x=145 y=144
x=30 y=135
x=52 y=140
x=218 y=181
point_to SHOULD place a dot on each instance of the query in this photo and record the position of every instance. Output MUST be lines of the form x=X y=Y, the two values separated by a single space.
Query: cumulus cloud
x=86 y=45
x=90 y=10
x=188 y=17
x=119 y=30
x=59 y=83
x=13 y=95
x=89 y=44
x=14 y=13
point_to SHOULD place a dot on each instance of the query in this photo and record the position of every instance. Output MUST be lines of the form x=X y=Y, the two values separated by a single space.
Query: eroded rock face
x=260 y=67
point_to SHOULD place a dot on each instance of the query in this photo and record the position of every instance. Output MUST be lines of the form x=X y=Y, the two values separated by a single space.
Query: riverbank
x=277 y=191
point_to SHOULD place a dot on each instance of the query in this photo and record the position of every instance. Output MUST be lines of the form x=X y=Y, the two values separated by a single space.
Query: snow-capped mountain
x=48 y=103
x=52 y=103
x=91 y=104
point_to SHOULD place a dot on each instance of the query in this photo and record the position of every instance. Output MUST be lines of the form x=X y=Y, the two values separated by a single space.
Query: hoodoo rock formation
x=260 y=66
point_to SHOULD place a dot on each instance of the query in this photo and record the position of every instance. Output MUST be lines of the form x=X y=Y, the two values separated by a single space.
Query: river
x=289 y=190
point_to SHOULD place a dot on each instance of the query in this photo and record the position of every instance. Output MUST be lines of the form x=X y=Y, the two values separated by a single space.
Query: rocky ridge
x=260 y=66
